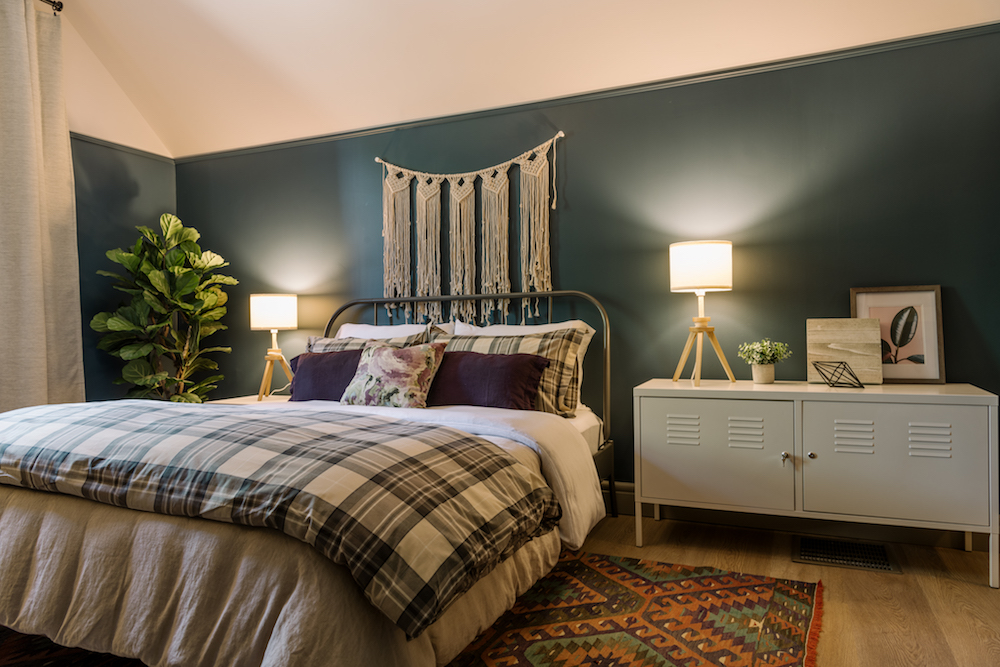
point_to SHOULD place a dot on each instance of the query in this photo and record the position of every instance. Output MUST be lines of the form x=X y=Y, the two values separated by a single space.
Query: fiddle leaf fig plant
x=176 y=302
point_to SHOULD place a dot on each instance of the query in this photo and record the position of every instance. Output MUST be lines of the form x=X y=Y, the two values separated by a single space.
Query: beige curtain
x=40 y=324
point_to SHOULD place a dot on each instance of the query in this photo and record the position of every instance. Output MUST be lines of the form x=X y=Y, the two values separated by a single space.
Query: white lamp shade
x=701 y=266
x=274 y=311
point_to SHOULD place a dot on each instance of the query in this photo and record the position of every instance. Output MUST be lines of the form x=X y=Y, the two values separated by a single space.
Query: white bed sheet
x=590 y=427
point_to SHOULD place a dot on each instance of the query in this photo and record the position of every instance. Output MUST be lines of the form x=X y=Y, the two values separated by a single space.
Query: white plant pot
x=762 y=373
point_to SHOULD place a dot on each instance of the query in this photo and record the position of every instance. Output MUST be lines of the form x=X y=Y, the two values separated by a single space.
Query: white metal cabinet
x=909 y=455
x=897 y=461
x=723 y=452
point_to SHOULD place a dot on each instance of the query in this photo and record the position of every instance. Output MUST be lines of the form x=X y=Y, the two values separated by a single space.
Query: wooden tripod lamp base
x=697 y=334
x=273 y=354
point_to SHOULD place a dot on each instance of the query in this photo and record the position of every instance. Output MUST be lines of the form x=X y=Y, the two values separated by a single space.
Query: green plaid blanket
x=416 y=512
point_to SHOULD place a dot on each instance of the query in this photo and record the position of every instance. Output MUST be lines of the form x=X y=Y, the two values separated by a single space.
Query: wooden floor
x=940 y=612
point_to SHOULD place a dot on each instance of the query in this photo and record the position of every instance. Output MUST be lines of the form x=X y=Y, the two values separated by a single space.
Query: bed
x=182 y=589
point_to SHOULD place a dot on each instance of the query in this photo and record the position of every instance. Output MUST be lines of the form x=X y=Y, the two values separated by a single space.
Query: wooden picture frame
x=911 y=329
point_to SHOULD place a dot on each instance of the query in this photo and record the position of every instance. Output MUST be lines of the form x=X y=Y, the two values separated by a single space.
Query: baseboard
x=860 y=531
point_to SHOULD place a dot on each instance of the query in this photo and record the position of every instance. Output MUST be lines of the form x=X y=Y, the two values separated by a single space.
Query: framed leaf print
x=910 y=321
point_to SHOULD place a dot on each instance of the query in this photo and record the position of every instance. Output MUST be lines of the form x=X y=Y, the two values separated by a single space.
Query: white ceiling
x=188 y=77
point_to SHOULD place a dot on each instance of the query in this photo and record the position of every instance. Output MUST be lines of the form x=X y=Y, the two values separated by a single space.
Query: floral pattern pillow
x=395 y=377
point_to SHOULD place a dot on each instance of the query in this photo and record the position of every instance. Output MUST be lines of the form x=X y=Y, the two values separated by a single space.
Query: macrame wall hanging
x=493 y=187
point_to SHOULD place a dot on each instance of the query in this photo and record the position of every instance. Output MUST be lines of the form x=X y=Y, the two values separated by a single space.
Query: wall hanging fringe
x=495 y=262
x=536 y=269
x=462 y=235
x=428 y=250
x=396 y=234
x=493 y=186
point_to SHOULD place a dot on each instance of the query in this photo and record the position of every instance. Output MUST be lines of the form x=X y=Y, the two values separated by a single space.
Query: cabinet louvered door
x=717 y=452
x=915 y=462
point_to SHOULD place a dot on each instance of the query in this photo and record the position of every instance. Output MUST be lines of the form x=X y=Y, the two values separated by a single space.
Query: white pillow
x=383 y=331
x=463 y=329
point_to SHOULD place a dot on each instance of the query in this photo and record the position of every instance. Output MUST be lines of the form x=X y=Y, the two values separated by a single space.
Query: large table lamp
x=699 y=267
x=274 y=312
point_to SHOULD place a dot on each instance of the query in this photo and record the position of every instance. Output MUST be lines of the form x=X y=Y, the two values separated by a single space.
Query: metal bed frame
x=604 y=458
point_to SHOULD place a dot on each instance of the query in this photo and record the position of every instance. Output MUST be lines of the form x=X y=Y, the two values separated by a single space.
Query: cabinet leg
x=638 y=524
x=656 y=512
x=994 y=560
x=968 y=541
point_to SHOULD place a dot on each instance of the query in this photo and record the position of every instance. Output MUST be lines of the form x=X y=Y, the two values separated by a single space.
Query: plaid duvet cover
x=417 y=512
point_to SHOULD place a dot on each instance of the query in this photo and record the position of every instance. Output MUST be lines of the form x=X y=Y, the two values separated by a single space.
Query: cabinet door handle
x=784 y=457
x=811 y=455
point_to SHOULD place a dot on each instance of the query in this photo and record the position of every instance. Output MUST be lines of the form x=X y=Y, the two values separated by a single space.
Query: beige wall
x=186 y=77
x=95 y=103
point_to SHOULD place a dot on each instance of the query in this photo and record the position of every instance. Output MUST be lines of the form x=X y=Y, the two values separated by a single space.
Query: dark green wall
x=116 y=190
x=877 y=169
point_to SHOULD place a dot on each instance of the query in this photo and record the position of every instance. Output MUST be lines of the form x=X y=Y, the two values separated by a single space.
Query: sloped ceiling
x=189 y=77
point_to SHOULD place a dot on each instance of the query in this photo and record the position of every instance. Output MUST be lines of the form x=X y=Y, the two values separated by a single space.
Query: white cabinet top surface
x=909 y=393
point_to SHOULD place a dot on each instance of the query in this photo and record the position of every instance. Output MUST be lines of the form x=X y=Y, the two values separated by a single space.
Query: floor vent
x=870 y=556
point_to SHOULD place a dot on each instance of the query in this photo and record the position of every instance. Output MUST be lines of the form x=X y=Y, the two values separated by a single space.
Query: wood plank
x=894 y=622
x=953 y=580
x=857 y=341
x=938 y=613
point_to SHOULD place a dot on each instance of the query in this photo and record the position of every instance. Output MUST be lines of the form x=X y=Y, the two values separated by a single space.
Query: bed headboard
x=549 y=297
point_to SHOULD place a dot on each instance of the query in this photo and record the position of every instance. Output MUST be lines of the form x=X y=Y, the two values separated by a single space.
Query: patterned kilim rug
x=602 y=611
x=623 y=612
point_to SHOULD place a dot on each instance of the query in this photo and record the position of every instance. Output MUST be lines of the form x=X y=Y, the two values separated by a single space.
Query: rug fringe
x=812 y=641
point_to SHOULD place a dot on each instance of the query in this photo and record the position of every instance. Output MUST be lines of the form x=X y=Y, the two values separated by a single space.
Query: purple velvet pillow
x=489 y=380
x=323 y=376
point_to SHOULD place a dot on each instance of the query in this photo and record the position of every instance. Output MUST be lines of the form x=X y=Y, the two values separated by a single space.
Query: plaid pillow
x=320 y=344
x=559 y=388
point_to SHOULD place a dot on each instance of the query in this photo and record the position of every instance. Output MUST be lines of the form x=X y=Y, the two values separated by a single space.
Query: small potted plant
x=762 y=355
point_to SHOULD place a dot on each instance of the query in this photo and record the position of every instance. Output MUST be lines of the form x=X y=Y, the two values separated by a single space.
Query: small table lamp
x=274 y=312
x=699 y=267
